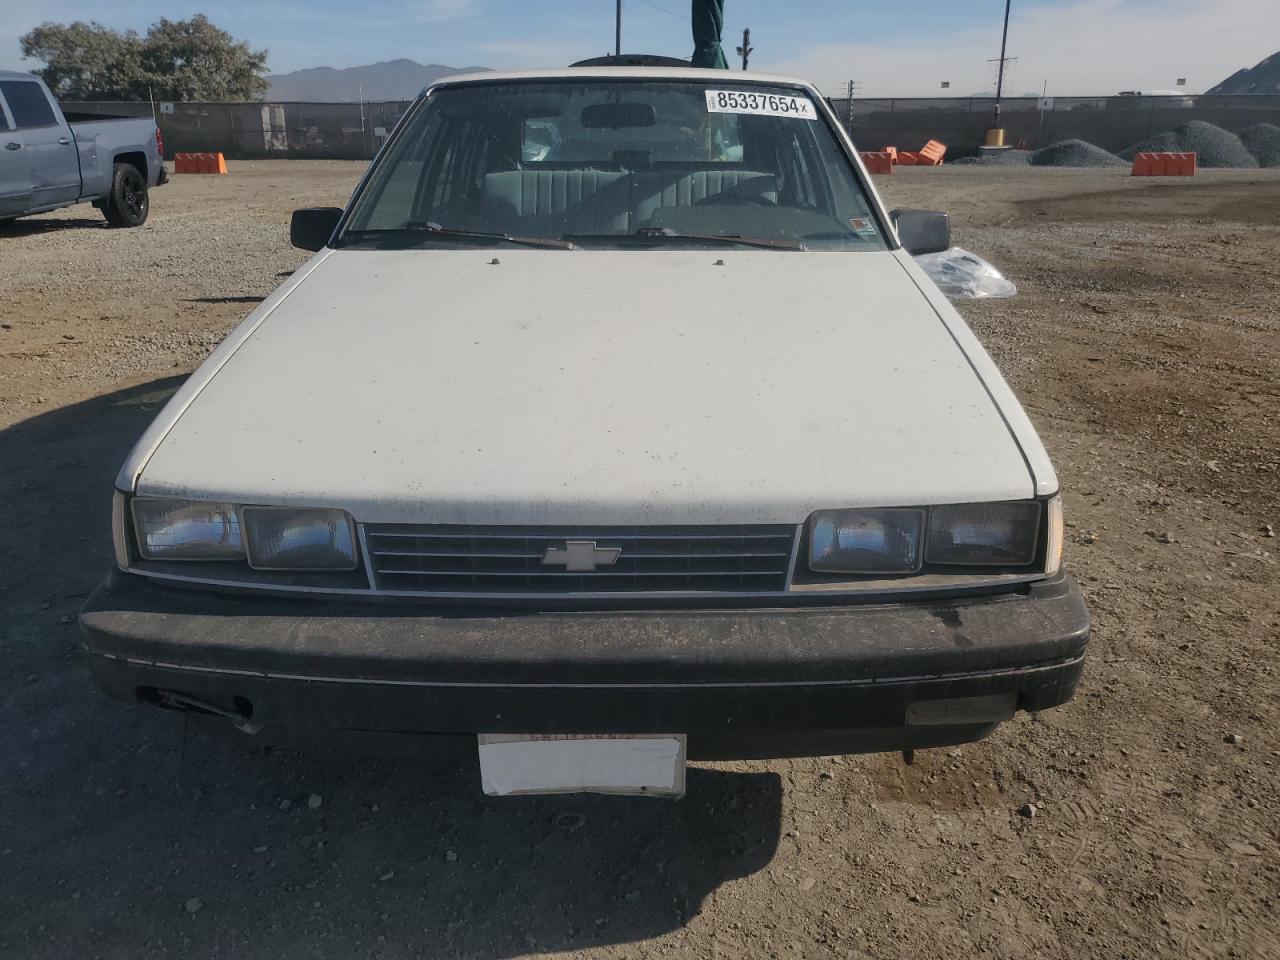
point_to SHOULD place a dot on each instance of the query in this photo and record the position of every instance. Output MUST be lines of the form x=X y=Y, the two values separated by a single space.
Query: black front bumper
x=763 y=681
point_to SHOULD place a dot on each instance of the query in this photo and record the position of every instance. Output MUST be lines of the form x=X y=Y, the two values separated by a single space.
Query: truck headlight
x=866 y=541
x=187 y=530
x=984 y=534
x=283 y=538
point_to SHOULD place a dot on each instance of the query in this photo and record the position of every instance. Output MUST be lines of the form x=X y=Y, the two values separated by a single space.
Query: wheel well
x=138 y=160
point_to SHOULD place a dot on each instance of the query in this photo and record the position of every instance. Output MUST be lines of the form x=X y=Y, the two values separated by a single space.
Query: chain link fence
x=354 y=131
x=331 y=131
x=1113 y=123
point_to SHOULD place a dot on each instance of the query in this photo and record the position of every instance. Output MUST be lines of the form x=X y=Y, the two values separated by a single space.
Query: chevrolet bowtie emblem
x=581 y=556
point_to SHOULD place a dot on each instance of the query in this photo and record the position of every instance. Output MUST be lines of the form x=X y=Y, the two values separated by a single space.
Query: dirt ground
x=1146 y=345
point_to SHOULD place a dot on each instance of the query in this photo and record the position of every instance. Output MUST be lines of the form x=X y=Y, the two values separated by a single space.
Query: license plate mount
x=650 y=765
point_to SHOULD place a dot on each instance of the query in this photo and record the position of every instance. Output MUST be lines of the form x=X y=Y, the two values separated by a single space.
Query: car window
x=682 y=129
x=613 y=163
x=28 y=104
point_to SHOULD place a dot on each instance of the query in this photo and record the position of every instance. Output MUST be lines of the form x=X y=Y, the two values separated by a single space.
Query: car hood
x=593 y=387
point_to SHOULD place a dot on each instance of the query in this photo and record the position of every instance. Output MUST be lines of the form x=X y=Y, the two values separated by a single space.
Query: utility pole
x=1044 y=96
x=746 y=49
x=617 y=32
x=1004 y=41
x=853 y=89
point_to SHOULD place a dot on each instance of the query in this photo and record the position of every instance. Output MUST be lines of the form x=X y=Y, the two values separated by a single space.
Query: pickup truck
x=612 y=423
x=51 y=160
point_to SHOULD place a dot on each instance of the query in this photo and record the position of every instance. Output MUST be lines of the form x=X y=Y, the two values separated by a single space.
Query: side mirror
x=311 y=227
x=922 y=231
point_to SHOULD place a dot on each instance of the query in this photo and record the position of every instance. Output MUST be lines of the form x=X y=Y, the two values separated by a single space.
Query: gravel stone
x=1263 y=141
x=1074 y=153
x=1007 y=158
x=1213 y=146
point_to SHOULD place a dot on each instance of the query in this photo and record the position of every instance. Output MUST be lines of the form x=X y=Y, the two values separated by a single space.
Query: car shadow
x=31 y=226
x=138 y=826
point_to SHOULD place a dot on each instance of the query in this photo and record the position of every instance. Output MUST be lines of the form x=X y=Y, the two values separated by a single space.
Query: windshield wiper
x=435 y=229
x=666 y=233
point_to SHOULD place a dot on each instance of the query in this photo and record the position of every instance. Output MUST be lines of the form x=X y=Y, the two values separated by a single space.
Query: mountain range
x=391 y=80
x=1264 y=78
x=403 y=79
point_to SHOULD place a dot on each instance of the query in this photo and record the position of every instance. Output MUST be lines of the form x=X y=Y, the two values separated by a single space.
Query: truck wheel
x=127 y=203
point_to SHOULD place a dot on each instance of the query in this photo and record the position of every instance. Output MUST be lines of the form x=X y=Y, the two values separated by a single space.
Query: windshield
x=616 y=164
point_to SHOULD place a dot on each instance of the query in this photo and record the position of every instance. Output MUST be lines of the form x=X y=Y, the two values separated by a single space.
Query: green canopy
x=708 y=23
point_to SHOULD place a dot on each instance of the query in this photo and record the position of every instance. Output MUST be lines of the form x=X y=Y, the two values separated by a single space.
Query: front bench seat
x=605 y=201
x=560 y=201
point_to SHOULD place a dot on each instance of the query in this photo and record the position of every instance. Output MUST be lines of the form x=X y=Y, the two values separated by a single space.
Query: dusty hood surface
x=595 y=387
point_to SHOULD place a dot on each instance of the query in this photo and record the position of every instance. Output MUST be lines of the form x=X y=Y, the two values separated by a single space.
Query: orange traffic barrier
x=932 y=153
x=908 y=158
x=199 y=163
x=892 y=152
x=1164 y=165
x=878 y=161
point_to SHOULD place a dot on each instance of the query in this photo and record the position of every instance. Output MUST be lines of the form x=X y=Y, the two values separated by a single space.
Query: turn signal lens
x=1053 y=549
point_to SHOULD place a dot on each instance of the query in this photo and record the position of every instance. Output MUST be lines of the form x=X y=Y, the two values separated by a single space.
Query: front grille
x=447 y=559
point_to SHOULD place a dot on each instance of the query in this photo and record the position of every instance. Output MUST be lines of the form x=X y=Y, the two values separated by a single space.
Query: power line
x=669 y=13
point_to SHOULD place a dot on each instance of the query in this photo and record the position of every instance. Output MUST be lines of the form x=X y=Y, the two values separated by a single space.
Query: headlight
x=187 y=530
x=866 y=541
x=281 y=538
x=984 y=534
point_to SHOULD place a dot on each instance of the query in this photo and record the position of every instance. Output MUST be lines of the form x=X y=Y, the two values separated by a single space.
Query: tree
x=87 y=61
x=194 y=60
x=176 y=60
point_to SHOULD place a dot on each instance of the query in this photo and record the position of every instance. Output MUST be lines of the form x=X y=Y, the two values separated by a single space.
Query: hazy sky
x=896 y=48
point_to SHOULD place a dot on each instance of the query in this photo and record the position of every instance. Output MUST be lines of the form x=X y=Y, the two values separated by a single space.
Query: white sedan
x=612 y=422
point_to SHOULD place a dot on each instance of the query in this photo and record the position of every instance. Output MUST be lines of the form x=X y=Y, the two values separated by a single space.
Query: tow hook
x=180 y=701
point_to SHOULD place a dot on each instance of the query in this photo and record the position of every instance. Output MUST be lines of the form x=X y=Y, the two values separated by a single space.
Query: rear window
x=28 y=104
x=681 y=130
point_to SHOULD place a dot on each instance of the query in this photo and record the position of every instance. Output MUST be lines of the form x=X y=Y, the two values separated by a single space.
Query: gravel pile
x=1074 y=153
x=1263 y=141
x=1006 y=158
x=1213 y=146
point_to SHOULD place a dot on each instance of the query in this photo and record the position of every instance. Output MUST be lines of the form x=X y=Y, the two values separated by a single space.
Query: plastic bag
x=965 y=276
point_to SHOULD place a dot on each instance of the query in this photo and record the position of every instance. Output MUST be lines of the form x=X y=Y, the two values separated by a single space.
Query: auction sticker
x=763 y=104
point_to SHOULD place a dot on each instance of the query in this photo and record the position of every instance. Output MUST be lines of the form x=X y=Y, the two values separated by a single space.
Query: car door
x=15 y=171
x=45 y=139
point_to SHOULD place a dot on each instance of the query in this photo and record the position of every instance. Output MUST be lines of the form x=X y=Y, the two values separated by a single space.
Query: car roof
x=17 y=75
x=725 y=77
